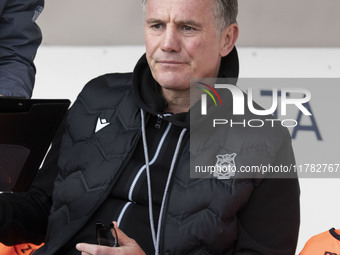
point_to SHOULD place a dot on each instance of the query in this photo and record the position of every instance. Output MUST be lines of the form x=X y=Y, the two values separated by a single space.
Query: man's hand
x=127 y=246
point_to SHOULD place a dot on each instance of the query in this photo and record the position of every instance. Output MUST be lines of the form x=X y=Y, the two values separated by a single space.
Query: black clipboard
x=27 y=127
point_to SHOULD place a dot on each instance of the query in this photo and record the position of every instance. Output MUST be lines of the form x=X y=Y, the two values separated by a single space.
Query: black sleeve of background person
x=270 y=222
x=20 y=39
x=23 y=216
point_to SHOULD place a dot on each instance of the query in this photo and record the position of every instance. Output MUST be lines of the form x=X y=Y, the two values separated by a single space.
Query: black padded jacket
x=200 y=216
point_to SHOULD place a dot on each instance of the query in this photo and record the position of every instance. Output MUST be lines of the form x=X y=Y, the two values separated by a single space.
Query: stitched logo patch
x=225 y=166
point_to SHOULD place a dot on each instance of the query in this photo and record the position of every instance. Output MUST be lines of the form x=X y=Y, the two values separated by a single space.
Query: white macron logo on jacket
x=101 y=123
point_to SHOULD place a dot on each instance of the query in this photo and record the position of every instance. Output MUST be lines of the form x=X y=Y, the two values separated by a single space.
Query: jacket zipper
x=159 y=121
x=155 y=157
x=160 y=248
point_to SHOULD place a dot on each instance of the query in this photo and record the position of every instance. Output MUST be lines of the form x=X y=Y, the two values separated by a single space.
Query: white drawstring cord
x=156 y=239
x=141 y=170
x=167 y=187
x=148 y=179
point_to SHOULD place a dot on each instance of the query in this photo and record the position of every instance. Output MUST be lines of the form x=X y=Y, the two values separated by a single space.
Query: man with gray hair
x=125 y=153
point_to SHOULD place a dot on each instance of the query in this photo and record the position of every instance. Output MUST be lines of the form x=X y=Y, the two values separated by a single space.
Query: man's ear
x=228 y=39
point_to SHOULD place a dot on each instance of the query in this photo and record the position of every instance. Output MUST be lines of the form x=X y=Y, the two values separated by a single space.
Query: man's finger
x=93 y=249
x=123 y=239
x=84 y=247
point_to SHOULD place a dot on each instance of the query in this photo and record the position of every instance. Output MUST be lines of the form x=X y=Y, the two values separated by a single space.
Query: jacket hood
x=147 y=92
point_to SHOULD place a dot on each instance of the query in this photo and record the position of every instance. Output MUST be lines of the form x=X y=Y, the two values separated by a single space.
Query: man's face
x=181 y=41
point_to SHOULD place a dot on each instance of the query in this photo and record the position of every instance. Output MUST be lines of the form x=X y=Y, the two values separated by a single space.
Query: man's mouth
x=170 y=62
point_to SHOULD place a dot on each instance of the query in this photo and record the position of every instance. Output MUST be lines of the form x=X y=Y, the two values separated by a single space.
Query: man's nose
x=171 y=40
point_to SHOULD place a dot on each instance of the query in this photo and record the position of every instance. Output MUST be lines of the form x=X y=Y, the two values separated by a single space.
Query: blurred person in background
x=19 y=39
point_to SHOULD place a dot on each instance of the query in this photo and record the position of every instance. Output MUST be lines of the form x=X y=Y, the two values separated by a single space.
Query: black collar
x=334 y=234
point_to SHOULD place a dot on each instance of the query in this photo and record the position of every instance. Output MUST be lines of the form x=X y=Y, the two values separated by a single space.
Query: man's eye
x=157 y=26
x=188 y=28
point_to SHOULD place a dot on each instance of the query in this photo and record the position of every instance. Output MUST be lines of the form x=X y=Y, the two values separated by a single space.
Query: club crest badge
x=225 y=167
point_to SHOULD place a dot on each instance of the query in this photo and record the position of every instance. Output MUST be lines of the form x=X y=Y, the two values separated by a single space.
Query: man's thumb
x=122 y=238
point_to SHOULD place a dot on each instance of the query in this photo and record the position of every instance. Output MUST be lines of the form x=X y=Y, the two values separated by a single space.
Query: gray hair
x=225 y=12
